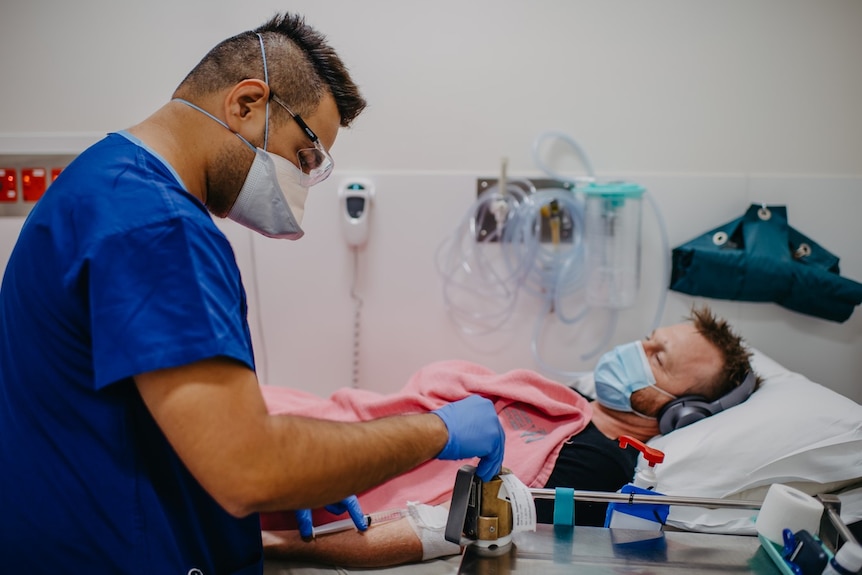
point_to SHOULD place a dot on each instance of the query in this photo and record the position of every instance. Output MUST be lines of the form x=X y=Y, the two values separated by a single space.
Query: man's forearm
x=318 y=459
x=382 y=545
x=214 y=416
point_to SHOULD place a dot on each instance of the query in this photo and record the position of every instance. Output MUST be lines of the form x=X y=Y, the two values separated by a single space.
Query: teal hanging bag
x=760 y=258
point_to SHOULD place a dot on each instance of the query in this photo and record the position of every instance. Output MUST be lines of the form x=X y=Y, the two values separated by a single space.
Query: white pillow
x=791 y=430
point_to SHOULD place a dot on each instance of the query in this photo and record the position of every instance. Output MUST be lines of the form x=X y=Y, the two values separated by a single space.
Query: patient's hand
x=383 y=545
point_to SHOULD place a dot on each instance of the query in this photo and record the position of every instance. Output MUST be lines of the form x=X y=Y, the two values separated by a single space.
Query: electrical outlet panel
x=33 y=183
x=8 y=185
x=24 y=179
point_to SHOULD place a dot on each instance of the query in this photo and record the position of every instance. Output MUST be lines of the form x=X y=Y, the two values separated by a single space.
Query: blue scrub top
x=118 y=270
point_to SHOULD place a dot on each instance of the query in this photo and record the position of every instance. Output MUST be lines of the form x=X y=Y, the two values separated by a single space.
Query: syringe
x=371 y=518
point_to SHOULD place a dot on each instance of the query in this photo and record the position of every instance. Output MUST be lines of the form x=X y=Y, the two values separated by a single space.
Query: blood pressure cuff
x=759 y=257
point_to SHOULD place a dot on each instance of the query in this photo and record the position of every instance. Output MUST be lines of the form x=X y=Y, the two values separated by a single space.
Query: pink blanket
x=537 y=414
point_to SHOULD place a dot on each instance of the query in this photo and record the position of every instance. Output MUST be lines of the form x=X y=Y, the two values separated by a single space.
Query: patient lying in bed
x=556 y=443
x=554 y=437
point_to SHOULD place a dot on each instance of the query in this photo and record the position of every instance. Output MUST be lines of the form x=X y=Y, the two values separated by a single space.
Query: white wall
x=711 y=105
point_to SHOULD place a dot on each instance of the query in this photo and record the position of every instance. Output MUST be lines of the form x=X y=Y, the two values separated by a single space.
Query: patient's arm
x=383 y=545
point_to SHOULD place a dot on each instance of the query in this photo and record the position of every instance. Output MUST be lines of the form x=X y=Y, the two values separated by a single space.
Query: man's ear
x=245 y=106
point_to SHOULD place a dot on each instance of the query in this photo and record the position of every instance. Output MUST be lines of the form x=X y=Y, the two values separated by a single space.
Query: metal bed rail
x=833 y=530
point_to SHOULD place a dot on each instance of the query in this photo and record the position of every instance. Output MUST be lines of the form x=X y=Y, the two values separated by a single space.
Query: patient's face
x=682 y=361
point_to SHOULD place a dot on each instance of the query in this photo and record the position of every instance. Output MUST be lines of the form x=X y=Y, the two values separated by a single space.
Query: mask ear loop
x=657 y=388
x=652 y=384
x=202 y=111
x=265 y=79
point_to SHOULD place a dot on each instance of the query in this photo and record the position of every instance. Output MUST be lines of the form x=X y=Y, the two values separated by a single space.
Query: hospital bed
x=792 y=431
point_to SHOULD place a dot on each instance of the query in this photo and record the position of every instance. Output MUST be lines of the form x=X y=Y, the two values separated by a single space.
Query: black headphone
x=690 y=408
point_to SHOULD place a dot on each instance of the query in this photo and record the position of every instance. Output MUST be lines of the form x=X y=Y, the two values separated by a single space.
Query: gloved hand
x=350 y=505
x=474 y=431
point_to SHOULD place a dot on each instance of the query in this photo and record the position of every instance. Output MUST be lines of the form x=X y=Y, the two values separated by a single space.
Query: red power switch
x=33 y=183
x=8 y=185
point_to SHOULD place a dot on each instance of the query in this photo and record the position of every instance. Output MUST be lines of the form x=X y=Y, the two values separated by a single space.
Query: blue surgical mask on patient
x=621 y=372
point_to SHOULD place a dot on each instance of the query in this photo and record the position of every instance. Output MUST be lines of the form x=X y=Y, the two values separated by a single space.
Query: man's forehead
x=687 y=345
x=677 y=331
x=691 y=359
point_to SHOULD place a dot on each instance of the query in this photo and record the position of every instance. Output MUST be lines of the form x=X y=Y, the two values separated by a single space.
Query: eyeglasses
x=315 y=163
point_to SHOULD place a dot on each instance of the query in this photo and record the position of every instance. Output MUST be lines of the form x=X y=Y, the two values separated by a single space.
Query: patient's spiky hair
x=734 y=352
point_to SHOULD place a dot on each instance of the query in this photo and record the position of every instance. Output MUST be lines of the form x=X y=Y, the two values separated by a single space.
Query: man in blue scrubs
x=133 y=435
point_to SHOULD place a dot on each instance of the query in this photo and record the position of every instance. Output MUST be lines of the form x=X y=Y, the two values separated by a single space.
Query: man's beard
x=231 y=168
x=648 y=404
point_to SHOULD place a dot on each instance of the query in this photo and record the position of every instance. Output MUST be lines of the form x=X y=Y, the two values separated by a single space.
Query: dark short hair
x=302 y=67
x=735 y=354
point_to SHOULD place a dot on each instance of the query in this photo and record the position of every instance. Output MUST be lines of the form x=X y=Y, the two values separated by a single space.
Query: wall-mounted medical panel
x=24 y=179
x=29 y=163
x=8 y=185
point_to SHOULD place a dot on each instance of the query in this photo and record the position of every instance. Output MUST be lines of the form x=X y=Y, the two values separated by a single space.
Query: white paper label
x=519 y=497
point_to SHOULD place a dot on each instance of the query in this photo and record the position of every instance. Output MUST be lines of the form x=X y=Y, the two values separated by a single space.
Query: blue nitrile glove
x=474 y=431
x=303 y=521
x=350 y=505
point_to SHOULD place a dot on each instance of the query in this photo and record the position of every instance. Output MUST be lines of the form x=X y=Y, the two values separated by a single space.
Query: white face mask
x=271 y=201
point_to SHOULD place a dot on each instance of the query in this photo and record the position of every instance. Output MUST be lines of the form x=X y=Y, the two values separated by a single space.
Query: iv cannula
x=371 y=518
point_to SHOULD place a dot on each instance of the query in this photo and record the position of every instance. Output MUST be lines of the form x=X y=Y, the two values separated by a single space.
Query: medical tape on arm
x=429 y=524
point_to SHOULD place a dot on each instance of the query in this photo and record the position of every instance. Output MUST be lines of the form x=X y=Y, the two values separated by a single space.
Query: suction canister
x=613 y=242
